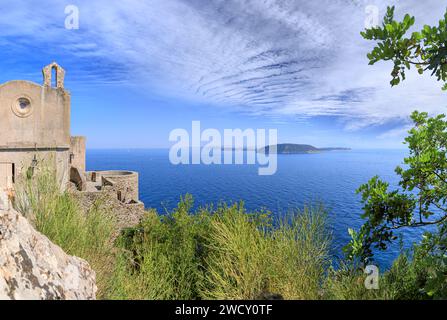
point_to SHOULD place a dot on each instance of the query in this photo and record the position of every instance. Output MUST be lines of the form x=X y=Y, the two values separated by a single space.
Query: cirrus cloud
x=269 y=58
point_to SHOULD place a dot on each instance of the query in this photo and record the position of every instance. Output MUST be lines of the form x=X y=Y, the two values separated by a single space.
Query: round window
x=22 y=107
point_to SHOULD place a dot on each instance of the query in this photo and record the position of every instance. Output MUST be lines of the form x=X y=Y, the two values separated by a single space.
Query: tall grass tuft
x=213 y=253
x=299 y=254
x=58 y=215
x=236 y=264
x=159 y=258
x=251 y=259
x=222 y=253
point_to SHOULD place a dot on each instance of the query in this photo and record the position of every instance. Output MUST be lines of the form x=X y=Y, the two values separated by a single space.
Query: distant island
x=292 y=148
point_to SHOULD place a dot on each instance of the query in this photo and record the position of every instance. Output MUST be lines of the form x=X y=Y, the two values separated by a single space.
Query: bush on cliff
x=217 y=253
x=59 y=216
x=223 y=253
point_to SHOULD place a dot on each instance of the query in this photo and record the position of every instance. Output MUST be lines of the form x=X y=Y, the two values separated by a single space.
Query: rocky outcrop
x=32 y=267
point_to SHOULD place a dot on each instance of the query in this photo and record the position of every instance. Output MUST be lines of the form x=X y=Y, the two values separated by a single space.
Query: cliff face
x=32 y=267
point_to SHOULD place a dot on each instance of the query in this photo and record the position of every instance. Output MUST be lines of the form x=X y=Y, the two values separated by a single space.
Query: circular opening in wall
x=22 y=107
x=24 y=103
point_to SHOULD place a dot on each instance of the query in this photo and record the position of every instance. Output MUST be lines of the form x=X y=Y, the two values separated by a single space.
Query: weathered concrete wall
x=22 y=160
x=43 y=122
x=35 y=125
x=35 y=122
x=78 y=152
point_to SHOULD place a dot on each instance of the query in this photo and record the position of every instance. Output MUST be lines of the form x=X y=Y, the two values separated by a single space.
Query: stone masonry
x=35 y=129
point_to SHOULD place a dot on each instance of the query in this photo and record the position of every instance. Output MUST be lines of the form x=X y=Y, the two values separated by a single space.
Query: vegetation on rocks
x=225 y=252
x=421 y=199
x=59 y=216
x=220 y=253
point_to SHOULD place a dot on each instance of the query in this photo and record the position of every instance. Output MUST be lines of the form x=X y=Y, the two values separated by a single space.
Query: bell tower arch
x=59 y=73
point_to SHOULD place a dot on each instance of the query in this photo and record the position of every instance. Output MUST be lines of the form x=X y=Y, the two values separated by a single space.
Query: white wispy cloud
x=400 y=133
x=273 y=58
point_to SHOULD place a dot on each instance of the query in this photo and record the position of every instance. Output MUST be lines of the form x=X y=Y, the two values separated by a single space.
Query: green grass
x=408 y=279
x=58 y=215
x=221 y=252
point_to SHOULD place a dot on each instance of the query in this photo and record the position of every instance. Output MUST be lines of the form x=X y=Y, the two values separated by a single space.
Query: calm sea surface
x=331 y=178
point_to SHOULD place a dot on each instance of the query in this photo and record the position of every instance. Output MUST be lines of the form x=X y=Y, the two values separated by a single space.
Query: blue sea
x=301 y=179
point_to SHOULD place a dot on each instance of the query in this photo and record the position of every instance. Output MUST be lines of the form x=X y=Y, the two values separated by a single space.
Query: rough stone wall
x=125 y=184
x=32 y=267
x=22 y=160
x=116 y=191
x=125 y=215
x=78 y=153
x=47 y=75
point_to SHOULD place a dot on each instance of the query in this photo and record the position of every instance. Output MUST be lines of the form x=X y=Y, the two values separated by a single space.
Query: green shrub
x=235 y=263
x=299 y=254
x=58 y=215
x=222 y=253
x=416 y=275
x=159 y=258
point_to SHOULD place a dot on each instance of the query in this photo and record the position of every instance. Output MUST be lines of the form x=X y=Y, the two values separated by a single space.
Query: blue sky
x=139 y=69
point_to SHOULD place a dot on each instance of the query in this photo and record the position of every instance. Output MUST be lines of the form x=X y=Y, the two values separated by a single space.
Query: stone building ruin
x=35 y=128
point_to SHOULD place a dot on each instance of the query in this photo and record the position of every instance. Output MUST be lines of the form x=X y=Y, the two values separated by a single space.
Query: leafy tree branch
x=426 y=50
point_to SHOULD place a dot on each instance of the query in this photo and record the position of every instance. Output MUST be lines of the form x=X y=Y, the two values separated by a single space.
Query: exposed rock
x=32 y=267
